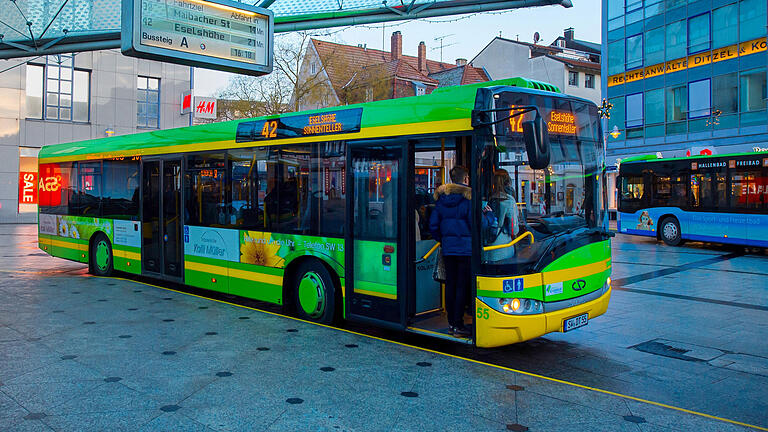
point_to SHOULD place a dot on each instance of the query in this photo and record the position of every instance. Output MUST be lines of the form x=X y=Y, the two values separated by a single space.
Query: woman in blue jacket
x=450 y=225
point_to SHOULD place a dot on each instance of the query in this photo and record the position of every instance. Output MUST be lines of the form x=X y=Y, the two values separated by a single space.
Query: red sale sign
x=27 y=188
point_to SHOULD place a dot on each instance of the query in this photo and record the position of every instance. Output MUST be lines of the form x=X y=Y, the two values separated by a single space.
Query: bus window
x=669 y=191
x=748 y=190
x=205 y=203
x=57 y=185
x=245 y=175
x=632 y=193
x=87 y=200
x=120 y=198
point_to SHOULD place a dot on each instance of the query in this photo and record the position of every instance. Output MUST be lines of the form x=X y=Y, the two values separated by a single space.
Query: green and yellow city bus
x=327 y=212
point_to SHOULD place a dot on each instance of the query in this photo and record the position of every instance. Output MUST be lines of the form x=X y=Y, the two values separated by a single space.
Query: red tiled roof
x=474 y=75
x=355 y=58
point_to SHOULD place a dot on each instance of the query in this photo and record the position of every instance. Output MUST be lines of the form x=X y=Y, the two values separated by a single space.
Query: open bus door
x=376 y=285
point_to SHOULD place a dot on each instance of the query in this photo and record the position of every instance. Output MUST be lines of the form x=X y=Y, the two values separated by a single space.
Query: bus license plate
x=575 y=322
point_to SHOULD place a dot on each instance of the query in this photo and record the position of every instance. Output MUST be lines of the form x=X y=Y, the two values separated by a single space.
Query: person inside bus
x=450 y=223
x=502 y=203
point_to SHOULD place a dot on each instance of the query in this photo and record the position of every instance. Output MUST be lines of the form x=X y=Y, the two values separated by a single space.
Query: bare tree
x=284 y=90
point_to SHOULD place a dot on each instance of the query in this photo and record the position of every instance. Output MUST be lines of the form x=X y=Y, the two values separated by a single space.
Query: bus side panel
x=206 y=273
x=636 y=223
x=256 y=282
x=757 y=230
x=126 y=246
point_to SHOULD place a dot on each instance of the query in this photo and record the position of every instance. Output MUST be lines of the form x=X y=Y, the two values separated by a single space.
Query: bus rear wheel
x=101 y=259
x=315 y=293
x=670 y=231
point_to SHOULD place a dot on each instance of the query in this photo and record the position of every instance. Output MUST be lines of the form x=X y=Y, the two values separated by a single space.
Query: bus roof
x=445 y=109
x=654 y=158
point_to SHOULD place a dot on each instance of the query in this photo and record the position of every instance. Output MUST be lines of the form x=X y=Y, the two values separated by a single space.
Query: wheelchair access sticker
x=513 y=285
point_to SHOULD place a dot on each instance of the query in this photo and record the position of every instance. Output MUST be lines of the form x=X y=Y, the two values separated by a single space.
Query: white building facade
x=570 y=64
x=65 y=98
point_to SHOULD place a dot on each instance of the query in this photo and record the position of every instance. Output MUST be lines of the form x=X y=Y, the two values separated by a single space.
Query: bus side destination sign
x=214 y=34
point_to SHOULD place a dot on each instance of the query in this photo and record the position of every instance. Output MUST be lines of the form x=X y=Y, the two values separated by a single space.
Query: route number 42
x=269 y=130
x=482 y=313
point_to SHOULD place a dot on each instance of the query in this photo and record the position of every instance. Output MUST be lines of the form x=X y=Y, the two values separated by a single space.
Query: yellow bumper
x=499 y=329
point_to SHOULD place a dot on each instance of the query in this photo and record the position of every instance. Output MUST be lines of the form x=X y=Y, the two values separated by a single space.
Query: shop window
x=676 y=40
x=725 y=21
x=699 y=99
x=634 y=110
x=634 y=51
x=654 y=46
x=752 y=18
x=28 y=180
x=698 y=33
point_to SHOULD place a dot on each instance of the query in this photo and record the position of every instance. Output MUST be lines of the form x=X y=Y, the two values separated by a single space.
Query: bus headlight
x=514 y=306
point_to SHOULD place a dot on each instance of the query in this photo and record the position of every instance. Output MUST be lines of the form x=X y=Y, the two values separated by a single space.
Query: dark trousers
x=457 y=284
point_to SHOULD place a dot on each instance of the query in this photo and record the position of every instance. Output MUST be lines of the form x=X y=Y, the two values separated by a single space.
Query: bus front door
x=161 y=248
x=376 y=276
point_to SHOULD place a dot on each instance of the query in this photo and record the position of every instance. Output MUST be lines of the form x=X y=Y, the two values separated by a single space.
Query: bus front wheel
x=101 y=262
x=670 y=232
x=315 y=293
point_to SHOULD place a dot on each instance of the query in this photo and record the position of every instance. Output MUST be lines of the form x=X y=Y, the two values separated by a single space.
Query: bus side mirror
x=536 y=142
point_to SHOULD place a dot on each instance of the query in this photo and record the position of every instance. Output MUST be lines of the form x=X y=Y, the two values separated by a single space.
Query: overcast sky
x=465 y=35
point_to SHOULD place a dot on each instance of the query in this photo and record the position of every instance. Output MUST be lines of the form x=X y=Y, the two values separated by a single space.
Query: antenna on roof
x=440 y=38
x=536 y=37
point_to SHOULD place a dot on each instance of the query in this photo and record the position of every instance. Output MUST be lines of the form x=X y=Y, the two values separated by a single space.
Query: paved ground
x=686 y=327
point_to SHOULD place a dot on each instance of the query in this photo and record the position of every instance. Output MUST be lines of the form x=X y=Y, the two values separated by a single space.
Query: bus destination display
x=564 y=118
x=327 y=123
x=219 y=33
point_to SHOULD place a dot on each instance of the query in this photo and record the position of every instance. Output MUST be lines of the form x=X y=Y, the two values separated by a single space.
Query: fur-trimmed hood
x=453 y=188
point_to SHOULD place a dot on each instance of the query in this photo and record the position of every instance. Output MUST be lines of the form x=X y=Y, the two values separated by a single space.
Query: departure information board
x=219 y=34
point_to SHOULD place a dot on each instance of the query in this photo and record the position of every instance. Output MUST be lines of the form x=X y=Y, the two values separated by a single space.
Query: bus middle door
x=376 y=277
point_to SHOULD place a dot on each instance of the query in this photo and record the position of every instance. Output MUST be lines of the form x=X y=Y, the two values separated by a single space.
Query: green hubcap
x=102 y=255
x=312 y=295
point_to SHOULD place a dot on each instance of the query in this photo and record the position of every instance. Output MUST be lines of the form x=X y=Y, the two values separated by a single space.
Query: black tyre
x=314 y=293
x=101 y=262
x=669 y=230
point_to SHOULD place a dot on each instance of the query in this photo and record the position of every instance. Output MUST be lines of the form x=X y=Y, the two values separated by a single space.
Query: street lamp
x=615 y=132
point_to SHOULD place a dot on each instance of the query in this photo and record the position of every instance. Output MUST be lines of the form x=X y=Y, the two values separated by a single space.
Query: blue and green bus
x=718 y=198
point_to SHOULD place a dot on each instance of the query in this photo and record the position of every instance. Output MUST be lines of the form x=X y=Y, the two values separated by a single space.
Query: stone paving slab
x=262 y=373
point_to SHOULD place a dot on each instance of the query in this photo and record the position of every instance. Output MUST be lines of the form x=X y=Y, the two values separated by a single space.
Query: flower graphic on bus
x=261 y=249
x=645 y=222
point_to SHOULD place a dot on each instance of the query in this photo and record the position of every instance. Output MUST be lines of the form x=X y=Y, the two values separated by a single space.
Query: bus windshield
x=543 y=209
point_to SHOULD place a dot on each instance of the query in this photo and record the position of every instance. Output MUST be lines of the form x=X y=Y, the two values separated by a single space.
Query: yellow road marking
x=595 y=389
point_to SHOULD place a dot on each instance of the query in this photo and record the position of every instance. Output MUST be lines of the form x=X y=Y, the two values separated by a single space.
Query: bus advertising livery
x=328 y=212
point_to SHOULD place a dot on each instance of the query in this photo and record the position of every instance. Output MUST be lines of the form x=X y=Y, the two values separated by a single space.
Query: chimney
x=396 y=46
x=568 y=33
x=422 y=57
x=461 y=62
